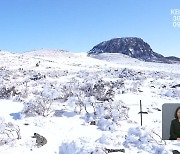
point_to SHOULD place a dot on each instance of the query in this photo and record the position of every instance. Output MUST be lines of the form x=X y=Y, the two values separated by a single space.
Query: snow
x=66 y=94
x=10 y=109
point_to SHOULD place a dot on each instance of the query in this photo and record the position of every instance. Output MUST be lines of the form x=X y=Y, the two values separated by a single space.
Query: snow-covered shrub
x=87 y=88
x=177 y=93
x=119 y=86
x=116 y=110
x=37 y=76
x=41 y=103
x=112 y=139
x=82 y=74
x=67 y=91
x=96 y=99
x=108 y=115
x=103 y=91
x=80 y=146
x=76 y=104
x=106 y=124
x=158 y=75
x=135 y=85
x=51 y=91
x=169 y=93
x=99 y=101
x=8 y=131
x=127 y=73
x=4 y=93
x=57 y=73
x=98 y=88
x=40 y=106
x=80 y=103
x=7 y=92
x=141 y=139
x=24 y=93
x=173 y=93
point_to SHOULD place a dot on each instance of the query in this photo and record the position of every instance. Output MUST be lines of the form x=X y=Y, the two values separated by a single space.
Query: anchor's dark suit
x=174 y=129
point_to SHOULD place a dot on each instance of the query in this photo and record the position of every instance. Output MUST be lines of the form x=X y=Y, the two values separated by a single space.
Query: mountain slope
x=133 y=47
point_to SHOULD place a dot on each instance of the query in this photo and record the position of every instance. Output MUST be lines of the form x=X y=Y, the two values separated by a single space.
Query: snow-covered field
x=83 y=104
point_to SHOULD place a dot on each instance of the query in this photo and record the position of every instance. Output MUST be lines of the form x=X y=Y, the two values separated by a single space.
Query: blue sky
x=78 y=25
